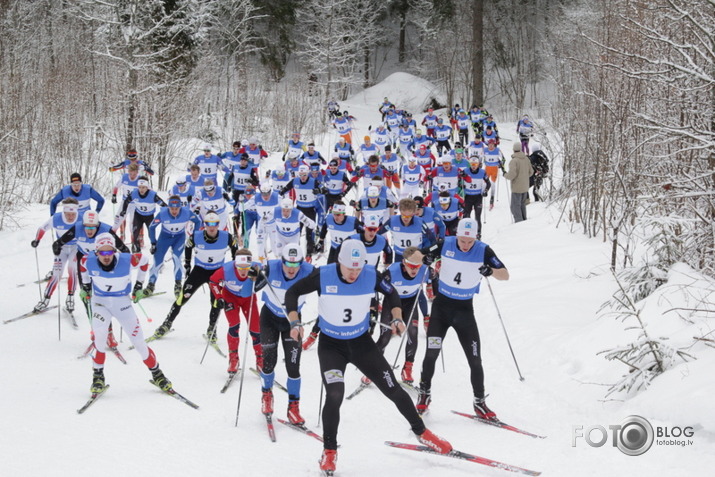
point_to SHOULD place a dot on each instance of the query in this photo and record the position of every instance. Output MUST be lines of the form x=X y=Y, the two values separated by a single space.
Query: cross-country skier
x=107 y=285
x=83 y=193
x=453 y=307
x=233 y=287
x=345 y=291
x=279 y=275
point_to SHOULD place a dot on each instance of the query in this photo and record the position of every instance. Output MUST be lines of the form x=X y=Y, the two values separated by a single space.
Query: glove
x=152 y=249
x=56 y=248
x=352 y=203
x=486 y=270
x=187 y=267
x=35 y=243
x=485 y=193
x=319 y=246
x=86 y=293
x=316 y=191
x=253 y=272
x=114 y=198
x=220 y=303
x=137 y=292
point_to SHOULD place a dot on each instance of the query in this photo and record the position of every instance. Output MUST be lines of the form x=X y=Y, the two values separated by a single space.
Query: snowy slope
x=549 y=306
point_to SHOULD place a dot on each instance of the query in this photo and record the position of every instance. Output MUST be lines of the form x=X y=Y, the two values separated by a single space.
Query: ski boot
x=294 y=416
x=434 y=442
x=160 y=380
x=211 y=334
x=162 y=330
x=97 y=381
x=233 y=361
x=42 y=305
x=267 y=402
x=69 y=303
x=177 y=288
x=423 y=401
x=310 y=340
x=149 y=289
x=482 y=411
x=328 y=460
x=407 y=372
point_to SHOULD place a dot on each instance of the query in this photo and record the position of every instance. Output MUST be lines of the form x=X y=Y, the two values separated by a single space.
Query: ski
x=358 y=390
x=92 y=399
x=153 y=294
x=499 y=424
x=464 y=456
x=275 y=383
x=410 y=386
x=44 y=280
x=73 y=322
x=171 y=392
x=86 y=352
x=271 y=429
x=29 y=314
x=302 y=429
x=153 y=338
x=118 y=355
x=231 y=377
x=215 y=346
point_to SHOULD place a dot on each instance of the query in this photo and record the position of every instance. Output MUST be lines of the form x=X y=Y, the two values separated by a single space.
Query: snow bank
x=404 y=90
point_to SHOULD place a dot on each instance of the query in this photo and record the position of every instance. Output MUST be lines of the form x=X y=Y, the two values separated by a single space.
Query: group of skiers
x=411 y=238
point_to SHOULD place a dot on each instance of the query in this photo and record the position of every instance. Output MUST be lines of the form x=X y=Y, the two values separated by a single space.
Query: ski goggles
x=292 y=264
x=105 y=253
x=211 y=224
x=411 y=265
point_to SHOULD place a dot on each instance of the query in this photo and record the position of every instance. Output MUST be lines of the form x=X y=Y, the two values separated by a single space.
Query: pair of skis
x=297 y=427
x=171 y=392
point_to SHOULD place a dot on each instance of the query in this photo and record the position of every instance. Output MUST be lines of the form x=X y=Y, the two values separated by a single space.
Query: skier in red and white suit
x=232 y=284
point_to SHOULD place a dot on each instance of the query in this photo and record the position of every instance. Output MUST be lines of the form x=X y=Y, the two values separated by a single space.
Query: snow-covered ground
x=558 y=281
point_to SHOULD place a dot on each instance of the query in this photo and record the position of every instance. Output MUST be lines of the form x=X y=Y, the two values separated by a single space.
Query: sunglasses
x=211 y=224
x=292 y=264
x=411 y=266
x=406 y=216
x=244 y=266
x=131 y=156
x=90 y=227
x=372 y=229
x=105 y=253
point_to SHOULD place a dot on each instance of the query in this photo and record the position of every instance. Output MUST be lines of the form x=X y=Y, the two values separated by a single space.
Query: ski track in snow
x=548 y=306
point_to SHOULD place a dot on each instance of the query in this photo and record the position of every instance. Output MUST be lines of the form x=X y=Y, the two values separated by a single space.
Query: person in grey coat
x=520 y=170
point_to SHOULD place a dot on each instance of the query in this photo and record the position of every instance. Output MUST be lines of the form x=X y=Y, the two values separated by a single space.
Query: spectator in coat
x=519 y=172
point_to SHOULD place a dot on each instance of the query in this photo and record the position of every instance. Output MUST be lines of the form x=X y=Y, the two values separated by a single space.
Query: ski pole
x=39 y=280
x=320 y=403
x=521 y=378
x=59 y=307
x=208 y=342
x=245 y=348
x=148 y=318
x=444 y=370
x=409 y=318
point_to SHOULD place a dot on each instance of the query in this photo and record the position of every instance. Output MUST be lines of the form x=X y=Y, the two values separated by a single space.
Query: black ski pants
x=458 y=314
x=334 y=356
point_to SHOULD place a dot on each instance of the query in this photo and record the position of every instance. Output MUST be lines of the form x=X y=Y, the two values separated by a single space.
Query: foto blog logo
x=633 y=436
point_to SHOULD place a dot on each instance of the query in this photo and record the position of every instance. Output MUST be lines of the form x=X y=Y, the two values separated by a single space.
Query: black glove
x=56 y=248
x=316 y=191
x=352 y=203
x=485 y=193
x=35 y=243
x=187 y=267
x=428 y=260
x=486 y=270
x=253 y=272
x=152 y=249
x=220 y=303
x=114 y=198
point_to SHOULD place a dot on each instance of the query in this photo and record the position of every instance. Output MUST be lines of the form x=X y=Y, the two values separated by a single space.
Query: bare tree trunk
x=477 y=52
x=403 y=29
x=131 y=109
